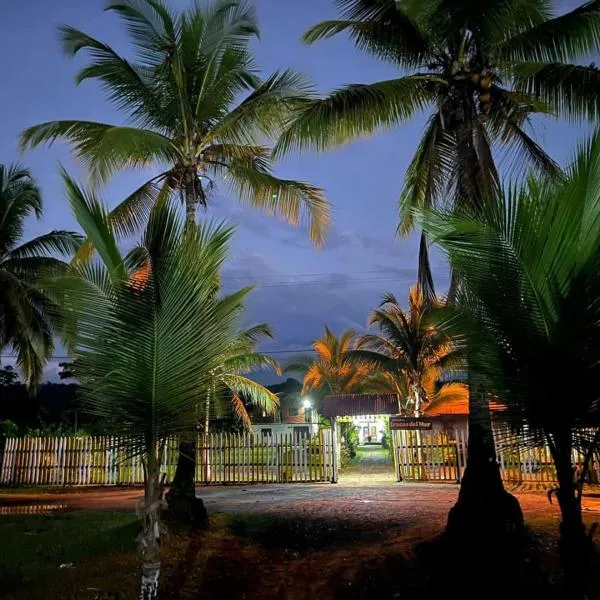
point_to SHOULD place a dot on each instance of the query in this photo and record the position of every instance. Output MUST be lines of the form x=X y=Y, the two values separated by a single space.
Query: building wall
x=285 y=428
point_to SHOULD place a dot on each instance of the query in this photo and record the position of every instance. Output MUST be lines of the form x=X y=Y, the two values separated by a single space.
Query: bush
x=349 y=433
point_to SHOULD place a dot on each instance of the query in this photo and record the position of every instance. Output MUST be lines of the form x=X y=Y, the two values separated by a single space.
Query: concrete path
x=372 y=466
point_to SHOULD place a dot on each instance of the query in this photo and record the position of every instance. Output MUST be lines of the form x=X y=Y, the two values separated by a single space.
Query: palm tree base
x=183 y=506
x=484 y=507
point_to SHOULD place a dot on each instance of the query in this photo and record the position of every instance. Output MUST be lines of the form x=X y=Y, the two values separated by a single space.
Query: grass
x=254 y=557
x=34 y=546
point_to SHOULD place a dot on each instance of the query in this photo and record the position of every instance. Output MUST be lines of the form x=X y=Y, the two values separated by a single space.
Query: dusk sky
x=299 y=289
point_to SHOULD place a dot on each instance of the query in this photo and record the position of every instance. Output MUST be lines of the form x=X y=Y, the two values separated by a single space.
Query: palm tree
x=481 y=68
x=235 y=390
x=331 y=371
x=530 y=267
x=241 y=359
x=411 y=355
x=28 y=317
x=196 y=110
x=148 y=333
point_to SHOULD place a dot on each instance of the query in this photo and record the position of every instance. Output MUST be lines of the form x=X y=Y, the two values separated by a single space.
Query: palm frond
x=565 y=38
x=570 y=90
x=254 y=392
x=390 y=35
x=356 y=110
x=127 y=85
x=20 y=197
x=292 y=201
x=94 y=219
x=60 y=242
x=264 y=113
x=151 y=25
x=429 y=172
x=104 y=149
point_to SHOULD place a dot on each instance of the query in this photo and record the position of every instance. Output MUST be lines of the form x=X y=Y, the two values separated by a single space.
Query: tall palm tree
x=410 y=353
x=196 y=110
x=148 y=333
x=482 y=69
x=331 y=371
x=530 y=271
x=27 y=315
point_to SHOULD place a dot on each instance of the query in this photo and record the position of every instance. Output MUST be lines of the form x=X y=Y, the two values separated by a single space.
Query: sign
x=412 y=423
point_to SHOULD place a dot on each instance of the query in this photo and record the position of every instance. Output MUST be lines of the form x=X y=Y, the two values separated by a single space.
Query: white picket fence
x=221 y=459
x=442 y=456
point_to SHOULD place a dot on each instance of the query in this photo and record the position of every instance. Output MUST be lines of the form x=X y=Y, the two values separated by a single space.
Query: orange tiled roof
x=457 y=408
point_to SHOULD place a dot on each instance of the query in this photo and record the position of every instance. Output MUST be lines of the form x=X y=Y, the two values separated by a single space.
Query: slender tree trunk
x=575 y=546
x=182 y=501
x=484 y=508
x=206 y=437
x=191 y=200
x=150 y=536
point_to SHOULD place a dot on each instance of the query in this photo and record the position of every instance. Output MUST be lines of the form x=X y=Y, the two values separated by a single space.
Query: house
x=370 y=413
x=295 y=416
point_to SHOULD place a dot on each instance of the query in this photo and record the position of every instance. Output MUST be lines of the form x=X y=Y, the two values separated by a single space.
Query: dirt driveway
x=421 y=505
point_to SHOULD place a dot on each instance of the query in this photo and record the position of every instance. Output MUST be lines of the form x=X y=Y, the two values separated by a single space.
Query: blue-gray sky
x=362 y=259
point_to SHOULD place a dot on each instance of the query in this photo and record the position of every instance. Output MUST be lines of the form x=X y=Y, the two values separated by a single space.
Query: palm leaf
x=293 y=201
x=566 y=38
x=571 y=90
x=356 y=110
x=104 y=149
x=59 y=242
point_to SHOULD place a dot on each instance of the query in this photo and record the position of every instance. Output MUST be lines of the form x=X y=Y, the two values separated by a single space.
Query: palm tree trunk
x=182 y=495
x=150 y=536
x=206 y=437
x=191 y=200
x=484 y=508
x=575 y=546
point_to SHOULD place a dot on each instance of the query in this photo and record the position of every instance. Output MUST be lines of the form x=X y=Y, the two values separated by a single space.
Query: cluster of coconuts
x=484 y=81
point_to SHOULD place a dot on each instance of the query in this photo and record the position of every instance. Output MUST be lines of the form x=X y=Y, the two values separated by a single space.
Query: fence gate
x=221 y=459
x=430 y=455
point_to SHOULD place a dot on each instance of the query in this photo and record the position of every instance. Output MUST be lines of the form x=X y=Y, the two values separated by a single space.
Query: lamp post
x=307 y=404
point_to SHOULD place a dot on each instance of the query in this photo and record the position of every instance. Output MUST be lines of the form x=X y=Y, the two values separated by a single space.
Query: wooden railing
x=221 y=458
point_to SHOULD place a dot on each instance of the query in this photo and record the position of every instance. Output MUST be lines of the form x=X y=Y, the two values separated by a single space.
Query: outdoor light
x=306 y=403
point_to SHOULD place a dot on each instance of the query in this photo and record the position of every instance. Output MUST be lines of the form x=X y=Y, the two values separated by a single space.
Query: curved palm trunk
x=150 y=536
x=484 y=508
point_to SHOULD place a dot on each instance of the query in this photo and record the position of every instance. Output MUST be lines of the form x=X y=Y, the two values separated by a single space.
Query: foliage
x=149 y=334
x=411 y=355
x=240 y=359
x=529 y=267
x=331 y=371
x=482 y=70
x=28 y=318
x=350 y=441
x=8 y=428
x=196 y=109
x=8 y=376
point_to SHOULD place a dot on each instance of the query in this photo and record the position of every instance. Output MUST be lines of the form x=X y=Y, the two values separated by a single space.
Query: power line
x=388 y=272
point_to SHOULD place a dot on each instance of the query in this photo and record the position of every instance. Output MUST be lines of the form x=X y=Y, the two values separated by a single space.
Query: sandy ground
x=418 y=502
x=367 y=491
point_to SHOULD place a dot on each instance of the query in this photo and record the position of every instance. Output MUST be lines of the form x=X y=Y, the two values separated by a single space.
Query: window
x=292 y=411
